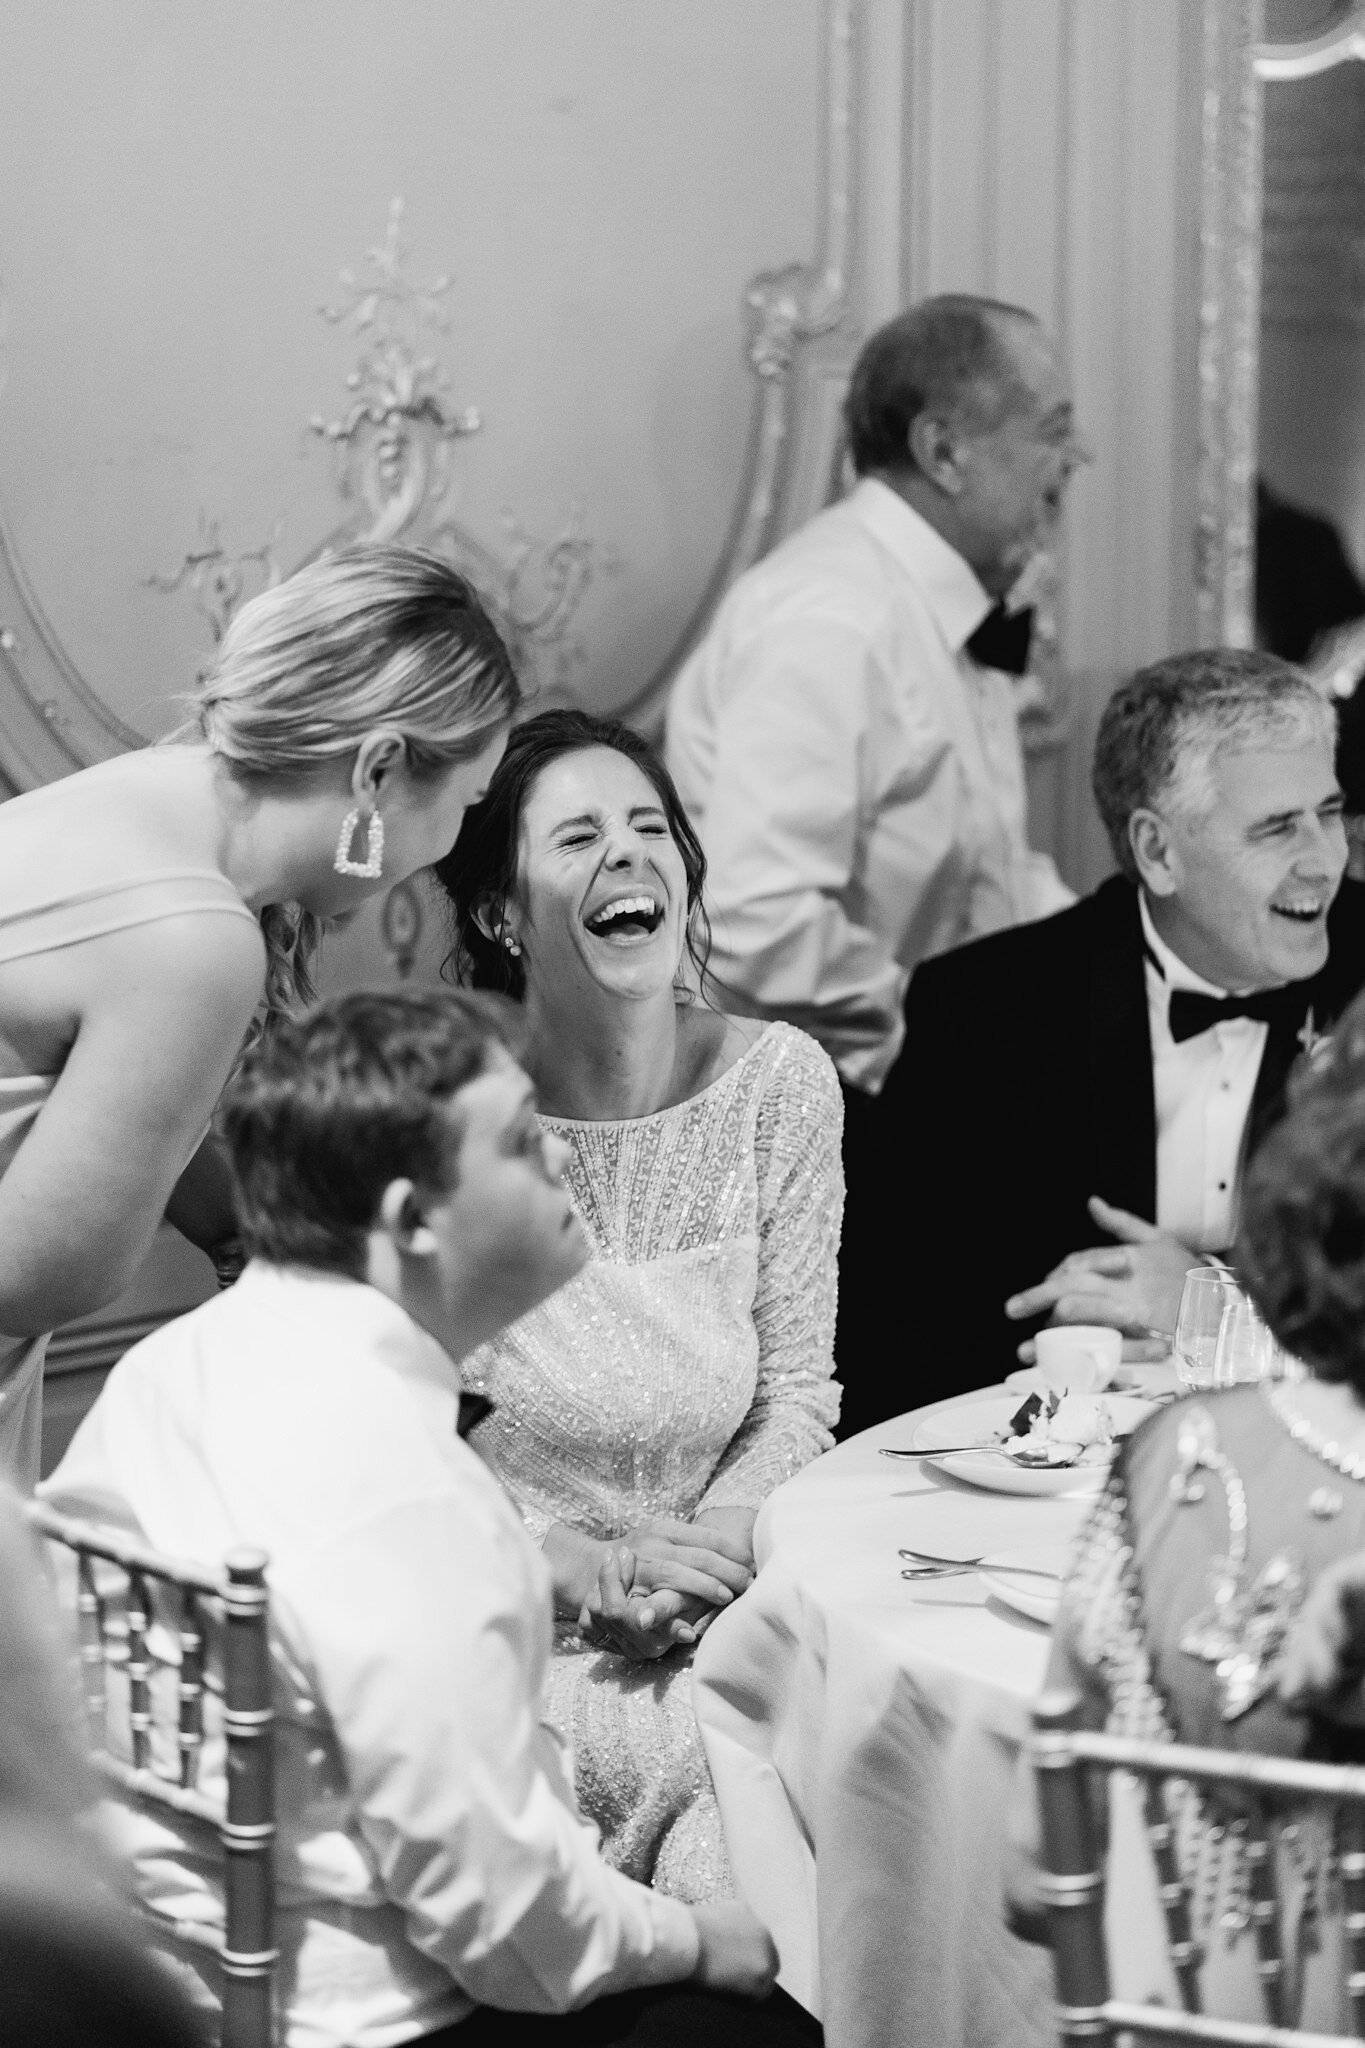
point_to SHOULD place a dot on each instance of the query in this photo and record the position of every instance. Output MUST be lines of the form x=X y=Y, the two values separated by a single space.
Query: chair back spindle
x=1068 y=1760
x=91 y=1624
x=139 y=1671
x=249 y=1955
x=1265 y=1914
x=1071 y=1880
x=1352 y=1869
x=191 y=1689
x=114 y=1634
x=1174 y=1896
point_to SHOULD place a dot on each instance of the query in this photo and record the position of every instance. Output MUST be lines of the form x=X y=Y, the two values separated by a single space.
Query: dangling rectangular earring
x=372 y=867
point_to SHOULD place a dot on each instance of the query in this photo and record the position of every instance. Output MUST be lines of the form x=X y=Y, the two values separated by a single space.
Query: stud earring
x=512 y=944
x=372 y=867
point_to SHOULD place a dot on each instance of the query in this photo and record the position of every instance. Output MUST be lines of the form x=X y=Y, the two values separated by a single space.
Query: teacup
x=1078 y=1358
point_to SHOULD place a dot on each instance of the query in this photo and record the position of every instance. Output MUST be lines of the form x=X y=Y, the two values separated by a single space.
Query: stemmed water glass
x=1246 y=1349
x=1206 y=1294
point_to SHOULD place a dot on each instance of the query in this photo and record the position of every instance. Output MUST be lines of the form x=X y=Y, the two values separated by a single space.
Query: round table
x=863 y=1733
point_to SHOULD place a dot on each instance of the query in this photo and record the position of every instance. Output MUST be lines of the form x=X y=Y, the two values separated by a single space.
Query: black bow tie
x=1190 y=1013
x=1002 y=640
x=474 y=1409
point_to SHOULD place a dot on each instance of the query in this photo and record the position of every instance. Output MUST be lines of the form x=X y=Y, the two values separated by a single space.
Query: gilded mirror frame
x=1238 y=63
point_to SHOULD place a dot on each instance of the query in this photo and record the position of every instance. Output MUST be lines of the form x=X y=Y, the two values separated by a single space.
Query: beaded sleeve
x=801 y=1201
x=1098 y=1644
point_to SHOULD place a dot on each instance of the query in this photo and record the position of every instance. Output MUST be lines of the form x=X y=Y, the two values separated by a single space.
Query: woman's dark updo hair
x=1301 y=1247
x=480 y=871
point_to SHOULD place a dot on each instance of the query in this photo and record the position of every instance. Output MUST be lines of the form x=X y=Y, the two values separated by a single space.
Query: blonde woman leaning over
x=152 y=906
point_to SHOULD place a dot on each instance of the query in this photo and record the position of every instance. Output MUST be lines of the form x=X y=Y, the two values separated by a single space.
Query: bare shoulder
x=200 y=961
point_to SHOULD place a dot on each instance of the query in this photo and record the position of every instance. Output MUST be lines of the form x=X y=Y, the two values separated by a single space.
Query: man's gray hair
x=1160 y=732
x=945 y=355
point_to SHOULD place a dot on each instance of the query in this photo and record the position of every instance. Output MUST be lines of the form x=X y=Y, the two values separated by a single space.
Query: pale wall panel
x=1051 y=155
x=180 y=185
x=1030 y=154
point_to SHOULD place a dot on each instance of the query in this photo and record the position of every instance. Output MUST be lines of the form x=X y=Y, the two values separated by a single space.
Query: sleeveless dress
x=28 y=928
x=687 y=1367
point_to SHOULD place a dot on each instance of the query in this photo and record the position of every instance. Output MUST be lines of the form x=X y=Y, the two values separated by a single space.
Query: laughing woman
x=644 y=1414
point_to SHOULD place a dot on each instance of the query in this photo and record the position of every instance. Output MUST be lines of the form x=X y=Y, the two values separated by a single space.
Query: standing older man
x=1103 y=1074
x=845 y=738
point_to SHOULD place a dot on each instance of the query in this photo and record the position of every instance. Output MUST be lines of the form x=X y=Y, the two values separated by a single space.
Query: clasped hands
x=658 y=1587
x=1133 y=1286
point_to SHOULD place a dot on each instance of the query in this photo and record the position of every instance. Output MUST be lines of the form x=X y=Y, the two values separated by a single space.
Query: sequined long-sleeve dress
x=687 y=1367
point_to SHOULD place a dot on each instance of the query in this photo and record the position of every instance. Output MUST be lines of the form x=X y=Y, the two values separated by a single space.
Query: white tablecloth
x=862 y=1733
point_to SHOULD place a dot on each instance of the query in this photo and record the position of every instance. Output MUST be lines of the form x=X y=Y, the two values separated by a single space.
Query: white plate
x=969 y=1422
x=1037 y=1598
x=1150 y=1381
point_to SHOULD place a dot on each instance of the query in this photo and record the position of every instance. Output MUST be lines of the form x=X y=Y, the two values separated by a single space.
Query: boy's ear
x=402 y=1218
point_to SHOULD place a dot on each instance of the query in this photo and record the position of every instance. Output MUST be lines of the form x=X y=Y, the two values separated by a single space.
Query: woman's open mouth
x=627 y=920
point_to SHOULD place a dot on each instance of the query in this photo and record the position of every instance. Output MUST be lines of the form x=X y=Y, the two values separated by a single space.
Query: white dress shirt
x=1203 y=1088
x=429 y=1854
x=855 y=776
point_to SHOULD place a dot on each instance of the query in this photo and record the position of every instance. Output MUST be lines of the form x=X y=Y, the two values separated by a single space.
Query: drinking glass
x=1206 y=1294
x=1246 y=1349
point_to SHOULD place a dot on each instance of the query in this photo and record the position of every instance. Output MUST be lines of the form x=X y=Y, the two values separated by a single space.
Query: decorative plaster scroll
x=393 y=445
x=1335 y=45
x=788 y=310
x=1229 y=319
x=392 y=451
x=51 y=721
x=215 y=579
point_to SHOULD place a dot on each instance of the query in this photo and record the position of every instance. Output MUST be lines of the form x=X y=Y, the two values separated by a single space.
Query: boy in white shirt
x=399 y=1204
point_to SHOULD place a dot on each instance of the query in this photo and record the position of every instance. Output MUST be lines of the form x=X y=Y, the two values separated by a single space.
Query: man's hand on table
x=1133 y=1286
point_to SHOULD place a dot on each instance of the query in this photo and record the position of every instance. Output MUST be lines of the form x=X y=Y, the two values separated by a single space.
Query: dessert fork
x=970 y=1564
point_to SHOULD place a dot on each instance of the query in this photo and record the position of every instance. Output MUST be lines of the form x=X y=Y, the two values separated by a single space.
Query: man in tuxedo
x=845 y=738
x=1068 y=1123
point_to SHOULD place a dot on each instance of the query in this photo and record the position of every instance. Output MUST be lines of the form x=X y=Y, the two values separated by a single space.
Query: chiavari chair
x=1072 y=1767
x=115 y=1610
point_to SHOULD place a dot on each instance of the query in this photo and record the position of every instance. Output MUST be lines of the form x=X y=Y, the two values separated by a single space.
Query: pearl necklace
x=1350 y=1463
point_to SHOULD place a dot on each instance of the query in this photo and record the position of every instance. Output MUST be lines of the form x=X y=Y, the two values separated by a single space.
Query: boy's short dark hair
x=329 y=1108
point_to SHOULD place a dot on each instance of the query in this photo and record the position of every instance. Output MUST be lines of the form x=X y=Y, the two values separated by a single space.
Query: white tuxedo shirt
x=429 y=1855
x=1203 y=1088
x=855 y=776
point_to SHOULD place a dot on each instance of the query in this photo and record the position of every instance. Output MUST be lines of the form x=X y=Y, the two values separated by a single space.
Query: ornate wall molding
x=1335 y=45
x=1229 y=322
x=392 y=449
x=51 y=721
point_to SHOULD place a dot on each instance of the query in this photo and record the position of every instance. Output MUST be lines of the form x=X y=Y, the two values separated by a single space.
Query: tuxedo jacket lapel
x=1120 y=1096
x=1283 y=1044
